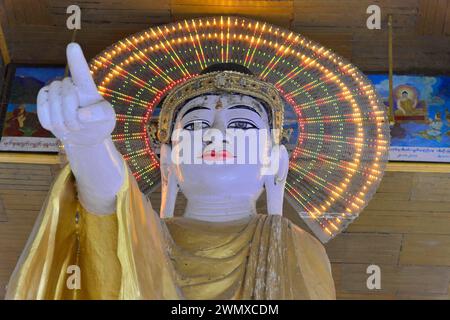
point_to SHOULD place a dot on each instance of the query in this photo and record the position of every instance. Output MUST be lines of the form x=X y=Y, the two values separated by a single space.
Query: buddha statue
x=97 y=221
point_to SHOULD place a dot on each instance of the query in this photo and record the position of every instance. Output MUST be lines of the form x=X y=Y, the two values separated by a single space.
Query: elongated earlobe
x=169 y=183
x=275 y=182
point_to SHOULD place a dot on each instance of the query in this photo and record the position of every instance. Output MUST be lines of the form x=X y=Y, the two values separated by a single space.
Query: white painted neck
x=220 y=209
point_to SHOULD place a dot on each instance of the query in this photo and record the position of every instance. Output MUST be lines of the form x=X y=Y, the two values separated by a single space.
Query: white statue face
x=219 y=164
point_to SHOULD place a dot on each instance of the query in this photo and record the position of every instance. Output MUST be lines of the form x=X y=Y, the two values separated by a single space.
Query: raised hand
x=78 y=115
x=72 y=109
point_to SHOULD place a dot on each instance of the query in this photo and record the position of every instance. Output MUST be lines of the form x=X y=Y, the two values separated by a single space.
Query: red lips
x=217 y=155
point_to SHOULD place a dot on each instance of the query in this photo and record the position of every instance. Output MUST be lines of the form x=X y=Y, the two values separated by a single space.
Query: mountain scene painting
x=21 y=128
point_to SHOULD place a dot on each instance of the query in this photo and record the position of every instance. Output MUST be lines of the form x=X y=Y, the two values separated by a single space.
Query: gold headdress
x=221 y=82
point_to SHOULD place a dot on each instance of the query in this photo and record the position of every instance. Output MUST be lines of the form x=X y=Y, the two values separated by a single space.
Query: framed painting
x=19 y=126
x=421 y=111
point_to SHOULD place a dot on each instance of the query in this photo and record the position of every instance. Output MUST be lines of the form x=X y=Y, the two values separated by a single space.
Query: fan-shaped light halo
x=330 y=173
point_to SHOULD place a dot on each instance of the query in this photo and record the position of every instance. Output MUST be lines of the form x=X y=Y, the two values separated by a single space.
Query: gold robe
x=133 y=254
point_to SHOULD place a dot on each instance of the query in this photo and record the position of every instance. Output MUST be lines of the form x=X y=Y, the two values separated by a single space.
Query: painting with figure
x=21 y=130
x=421 y=111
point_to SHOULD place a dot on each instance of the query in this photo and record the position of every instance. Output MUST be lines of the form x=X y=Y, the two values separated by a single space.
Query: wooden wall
x=405 y=230
x=36 y=29
x=23 y=188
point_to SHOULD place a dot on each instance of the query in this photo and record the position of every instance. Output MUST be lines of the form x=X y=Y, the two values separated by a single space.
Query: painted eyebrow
x=193 y=109
x=242 y=106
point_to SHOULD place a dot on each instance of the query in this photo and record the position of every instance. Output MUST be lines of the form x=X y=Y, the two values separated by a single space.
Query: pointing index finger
x=81 y=75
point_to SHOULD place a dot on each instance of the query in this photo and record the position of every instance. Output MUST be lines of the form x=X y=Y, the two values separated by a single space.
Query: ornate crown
x=220 y=82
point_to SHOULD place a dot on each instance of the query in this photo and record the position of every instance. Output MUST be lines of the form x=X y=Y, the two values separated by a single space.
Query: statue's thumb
x=81 y=75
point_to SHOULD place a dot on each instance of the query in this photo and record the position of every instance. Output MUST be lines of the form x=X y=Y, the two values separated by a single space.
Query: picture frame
x=420 y=124
x=20 y=130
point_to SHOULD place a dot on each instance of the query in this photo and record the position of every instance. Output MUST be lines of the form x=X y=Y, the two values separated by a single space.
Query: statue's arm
x=74 y=111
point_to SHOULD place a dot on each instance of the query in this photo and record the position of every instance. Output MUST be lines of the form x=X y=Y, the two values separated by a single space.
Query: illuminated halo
x=343 y=135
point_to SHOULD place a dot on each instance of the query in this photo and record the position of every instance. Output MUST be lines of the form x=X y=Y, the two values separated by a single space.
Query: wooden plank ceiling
x=35 y=29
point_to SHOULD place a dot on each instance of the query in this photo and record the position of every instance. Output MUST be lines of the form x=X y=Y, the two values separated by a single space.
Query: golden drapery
x=133 y=254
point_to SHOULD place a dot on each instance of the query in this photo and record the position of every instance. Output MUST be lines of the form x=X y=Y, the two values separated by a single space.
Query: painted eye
x=244 y=125
x=196 y=125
